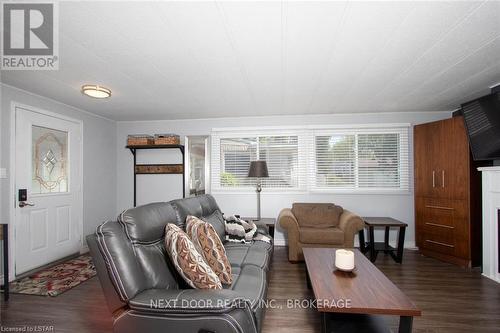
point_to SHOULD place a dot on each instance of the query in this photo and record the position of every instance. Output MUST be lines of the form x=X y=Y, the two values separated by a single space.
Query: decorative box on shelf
x=167 y=139
x=140 y=140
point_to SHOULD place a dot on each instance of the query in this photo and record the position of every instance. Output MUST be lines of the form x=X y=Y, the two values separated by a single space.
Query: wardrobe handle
x=433 y=178
x=442 y=176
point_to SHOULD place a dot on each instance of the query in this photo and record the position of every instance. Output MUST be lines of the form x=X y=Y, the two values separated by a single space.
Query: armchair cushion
x=332 y=235
x=317 y=215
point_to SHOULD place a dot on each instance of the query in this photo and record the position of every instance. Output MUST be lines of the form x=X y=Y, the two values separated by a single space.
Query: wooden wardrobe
x=447 y=193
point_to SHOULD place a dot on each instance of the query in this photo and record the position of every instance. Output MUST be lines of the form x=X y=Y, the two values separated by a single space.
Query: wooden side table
x=375 y=247
x=269 y=222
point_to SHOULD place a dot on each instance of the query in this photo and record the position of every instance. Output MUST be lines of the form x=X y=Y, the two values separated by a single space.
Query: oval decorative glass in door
x=50 y=160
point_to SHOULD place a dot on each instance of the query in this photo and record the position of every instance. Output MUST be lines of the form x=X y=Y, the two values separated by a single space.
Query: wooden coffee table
x=348 y=301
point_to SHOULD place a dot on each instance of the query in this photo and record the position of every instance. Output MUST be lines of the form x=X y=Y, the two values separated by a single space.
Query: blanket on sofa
x=241 y=231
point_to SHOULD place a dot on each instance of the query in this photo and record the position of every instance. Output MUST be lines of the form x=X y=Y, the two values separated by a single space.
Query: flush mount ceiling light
x=96 y=91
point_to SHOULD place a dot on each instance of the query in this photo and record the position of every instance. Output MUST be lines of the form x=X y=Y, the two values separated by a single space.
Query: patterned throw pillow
x=188 y=261
x=207 y=242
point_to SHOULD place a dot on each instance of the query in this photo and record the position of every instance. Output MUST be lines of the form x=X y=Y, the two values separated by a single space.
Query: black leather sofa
x=145 y=293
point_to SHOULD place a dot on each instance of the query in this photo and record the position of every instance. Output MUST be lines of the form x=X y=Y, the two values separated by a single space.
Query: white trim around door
x=12 y=183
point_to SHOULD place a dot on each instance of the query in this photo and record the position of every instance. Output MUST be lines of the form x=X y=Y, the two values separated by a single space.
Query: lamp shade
x=258 y=169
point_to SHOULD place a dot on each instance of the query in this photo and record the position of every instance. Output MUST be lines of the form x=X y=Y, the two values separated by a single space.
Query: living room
x=294 y=131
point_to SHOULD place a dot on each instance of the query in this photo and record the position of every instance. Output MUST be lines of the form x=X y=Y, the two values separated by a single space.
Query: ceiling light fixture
x=96 y=91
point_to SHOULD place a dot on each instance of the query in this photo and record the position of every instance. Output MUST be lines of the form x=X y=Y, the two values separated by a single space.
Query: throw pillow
x=317 y=215
x=188 y=261
x=207 y=242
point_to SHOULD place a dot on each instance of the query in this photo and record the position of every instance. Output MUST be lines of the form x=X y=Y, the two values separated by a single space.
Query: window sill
x=264 y=191
x=315 y=191
x=362 y=191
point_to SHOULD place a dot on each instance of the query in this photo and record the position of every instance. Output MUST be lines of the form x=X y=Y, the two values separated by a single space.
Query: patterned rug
x=55 y=280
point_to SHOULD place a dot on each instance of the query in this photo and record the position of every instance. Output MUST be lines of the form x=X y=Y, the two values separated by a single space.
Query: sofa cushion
x=241 y=255
x=199 y=206
x=268 y=247
x=251 y=285
x=331 y=235
x=216 y=219
x=317 y=215
x=188 y=262
x=209 y=245
x=147 y=223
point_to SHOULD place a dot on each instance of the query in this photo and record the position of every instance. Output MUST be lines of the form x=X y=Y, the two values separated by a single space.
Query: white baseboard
x=84 y=249
x=491 y=278
x=280 y=242
x=408 y=244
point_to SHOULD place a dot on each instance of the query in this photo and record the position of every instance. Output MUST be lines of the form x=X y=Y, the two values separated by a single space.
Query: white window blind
x=361 y=159
x=235 y=157
x=232 y=154
x=335 y=157
x=328 y=159
x=282 y=156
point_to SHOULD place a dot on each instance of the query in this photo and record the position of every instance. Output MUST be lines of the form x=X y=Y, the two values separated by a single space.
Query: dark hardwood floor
x=451 y=300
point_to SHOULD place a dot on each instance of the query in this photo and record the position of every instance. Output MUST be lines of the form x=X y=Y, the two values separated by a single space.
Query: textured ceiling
x=171 y=60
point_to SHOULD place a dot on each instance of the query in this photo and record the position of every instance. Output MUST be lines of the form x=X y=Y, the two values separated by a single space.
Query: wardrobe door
x=450 y=159
x=454 y=174
x=421 y=170
x=434 y=157
x=425 y=181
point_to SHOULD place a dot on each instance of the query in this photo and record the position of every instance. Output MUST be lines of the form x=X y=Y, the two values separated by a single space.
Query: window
x=232 y=156
x=335 y=161
x=236 y=155
x=370 y=159
x=49 y=161
x=378 y=160
x=325 y=160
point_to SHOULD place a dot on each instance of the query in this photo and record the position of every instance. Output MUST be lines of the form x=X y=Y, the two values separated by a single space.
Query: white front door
x=48 y=189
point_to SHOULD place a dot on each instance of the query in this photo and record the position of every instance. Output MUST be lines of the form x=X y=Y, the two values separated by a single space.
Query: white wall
x=167 y=187
x=99 y=156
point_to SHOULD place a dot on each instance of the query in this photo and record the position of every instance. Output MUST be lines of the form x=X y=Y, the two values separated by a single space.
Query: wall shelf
x=134 y=147
x=157 y=169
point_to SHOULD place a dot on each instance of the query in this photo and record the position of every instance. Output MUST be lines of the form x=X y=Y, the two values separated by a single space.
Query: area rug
x=55 y=280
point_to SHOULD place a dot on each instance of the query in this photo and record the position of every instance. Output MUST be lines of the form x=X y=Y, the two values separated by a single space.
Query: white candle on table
x=344 y=259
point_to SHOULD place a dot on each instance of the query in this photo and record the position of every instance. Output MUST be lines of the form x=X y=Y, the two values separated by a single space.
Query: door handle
x=442 y=176
x=24 y=204
x=433 y=178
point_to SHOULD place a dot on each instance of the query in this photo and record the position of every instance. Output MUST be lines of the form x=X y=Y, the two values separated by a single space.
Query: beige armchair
x=318 y=225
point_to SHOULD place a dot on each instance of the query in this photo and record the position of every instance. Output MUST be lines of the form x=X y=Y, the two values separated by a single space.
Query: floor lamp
x=258 y=169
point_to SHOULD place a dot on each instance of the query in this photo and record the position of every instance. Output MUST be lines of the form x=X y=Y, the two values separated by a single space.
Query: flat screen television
x=482 y=119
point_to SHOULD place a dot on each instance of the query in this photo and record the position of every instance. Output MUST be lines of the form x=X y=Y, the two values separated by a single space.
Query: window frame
x=232 y=133
x=403 y=164
x=307 y=156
